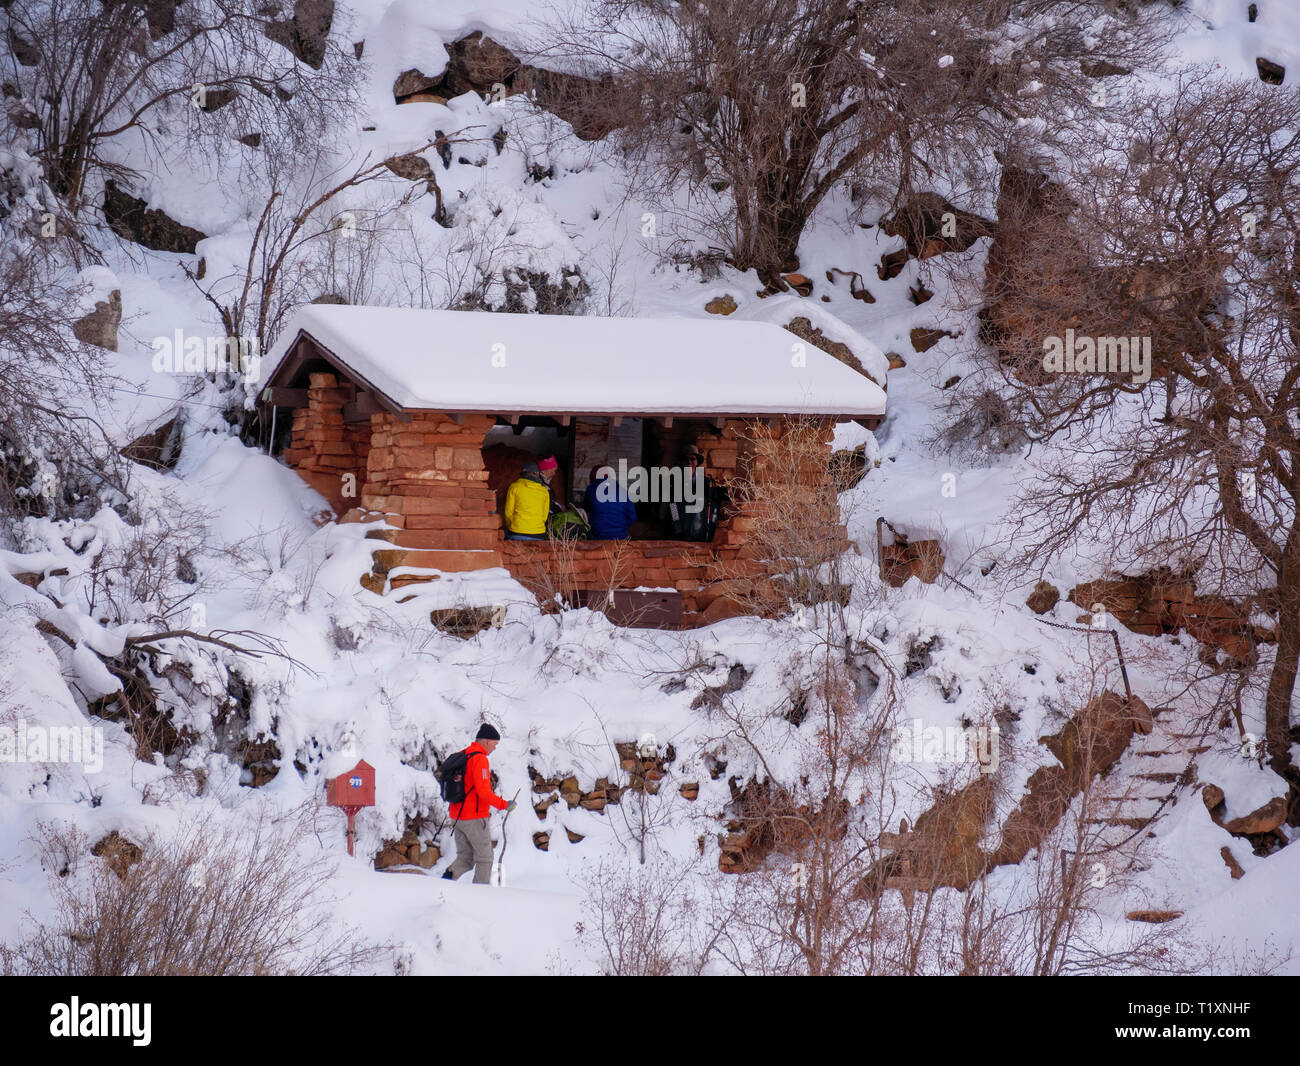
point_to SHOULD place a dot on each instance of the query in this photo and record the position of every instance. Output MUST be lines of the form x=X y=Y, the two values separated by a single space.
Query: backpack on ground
x=569 y=524
x=451 y=776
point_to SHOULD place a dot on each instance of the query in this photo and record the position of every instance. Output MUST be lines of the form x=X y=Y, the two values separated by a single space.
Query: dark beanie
x=487 y=732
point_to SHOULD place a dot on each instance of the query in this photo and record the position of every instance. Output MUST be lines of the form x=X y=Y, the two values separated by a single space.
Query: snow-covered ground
x=370 y=675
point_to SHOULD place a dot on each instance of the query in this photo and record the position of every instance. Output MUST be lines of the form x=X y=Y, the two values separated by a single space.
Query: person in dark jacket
x=696 y=518
x=609 y=510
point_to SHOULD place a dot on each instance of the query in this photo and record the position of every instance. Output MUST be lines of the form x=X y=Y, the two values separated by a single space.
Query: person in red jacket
x=473 y=841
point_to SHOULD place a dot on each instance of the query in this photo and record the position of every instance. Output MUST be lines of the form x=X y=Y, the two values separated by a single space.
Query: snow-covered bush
x=212 y=899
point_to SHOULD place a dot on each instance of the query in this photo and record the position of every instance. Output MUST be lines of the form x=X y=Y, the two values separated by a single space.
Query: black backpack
x=451 y=776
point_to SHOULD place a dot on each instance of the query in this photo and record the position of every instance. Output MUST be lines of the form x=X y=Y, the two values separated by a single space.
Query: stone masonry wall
x=322 y=448
x=545 y=568
x=427 y=476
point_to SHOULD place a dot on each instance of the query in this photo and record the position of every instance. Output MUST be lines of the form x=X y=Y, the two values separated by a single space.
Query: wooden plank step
x=1137 y=805
x=915 y=884
x=1164 y=777
x=1136 y=797
x=1128 y=823
x=1183 y=754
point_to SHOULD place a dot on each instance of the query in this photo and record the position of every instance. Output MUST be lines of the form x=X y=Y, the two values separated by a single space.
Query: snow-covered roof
x=496 y=362
x=782 y=309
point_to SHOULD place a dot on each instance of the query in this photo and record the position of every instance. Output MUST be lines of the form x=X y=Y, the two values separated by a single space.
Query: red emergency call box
x=352 y=791
x=356 y=788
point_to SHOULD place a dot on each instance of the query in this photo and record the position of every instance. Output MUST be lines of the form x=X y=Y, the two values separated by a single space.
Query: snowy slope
x=370 y=675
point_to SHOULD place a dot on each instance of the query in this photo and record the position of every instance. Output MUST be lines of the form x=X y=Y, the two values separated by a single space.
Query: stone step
x=362 y=515
x=450 y=560
x=406 y=580
x=435 y=539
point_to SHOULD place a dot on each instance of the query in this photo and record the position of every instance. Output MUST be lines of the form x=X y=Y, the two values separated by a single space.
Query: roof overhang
x=371 y=349
x=302 y=351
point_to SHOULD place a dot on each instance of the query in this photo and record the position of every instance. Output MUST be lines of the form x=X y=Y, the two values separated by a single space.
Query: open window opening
x=648 y=459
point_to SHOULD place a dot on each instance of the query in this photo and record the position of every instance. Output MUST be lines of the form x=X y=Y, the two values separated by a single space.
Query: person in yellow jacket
x=529 y=502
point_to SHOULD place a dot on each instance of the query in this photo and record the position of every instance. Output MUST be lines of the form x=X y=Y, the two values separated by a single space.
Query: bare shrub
x=55 y=456
x=807 y=831
x=285 y=256
x=645 y=921
x=789 y=494
x=208 y=900
x=557 y=576
x=136 y=576
x=206 y=68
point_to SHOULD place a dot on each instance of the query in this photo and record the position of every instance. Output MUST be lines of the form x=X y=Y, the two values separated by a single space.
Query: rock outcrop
x=1163 y=602
x=132 y=219
x=1044 y=597
x=930 y=226
x=99 y=327
x=305 y=33
x=476 y=63
x=1261 y=826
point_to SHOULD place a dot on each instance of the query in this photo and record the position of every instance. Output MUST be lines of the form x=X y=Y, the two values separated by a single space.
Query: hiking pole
x=501 y=861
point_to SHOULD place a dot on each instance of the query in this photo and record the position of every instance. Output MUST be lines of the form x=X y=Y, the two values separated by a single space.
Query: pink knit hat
x=548 y=463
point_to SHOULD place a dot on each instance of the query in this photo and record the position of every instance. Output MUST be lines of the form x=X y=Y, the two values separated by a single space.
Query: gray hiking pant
x=473 y=848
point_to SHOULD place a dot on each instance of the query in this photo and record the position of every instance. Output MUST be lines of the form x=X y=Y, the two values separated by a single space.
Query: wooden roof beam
x=360 y=409
x=275 y=396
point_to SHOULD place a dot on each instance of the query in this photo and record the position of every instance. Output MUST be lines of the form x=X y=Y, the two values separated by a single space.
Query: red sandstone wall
x=430 y=471
x=428 y=476
x=322 y=449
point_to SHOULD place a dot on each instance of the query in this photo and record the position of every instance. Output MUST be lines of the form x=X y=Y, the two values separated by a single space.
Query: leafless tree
x=87 y=74
x=761 y=108
x=292 y=236
x=55 y=455
x=1180 y=226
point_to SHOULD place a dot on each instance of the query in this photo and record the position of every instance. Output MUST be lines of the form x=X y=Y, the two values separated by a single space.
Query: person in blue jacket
x=610 y=511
